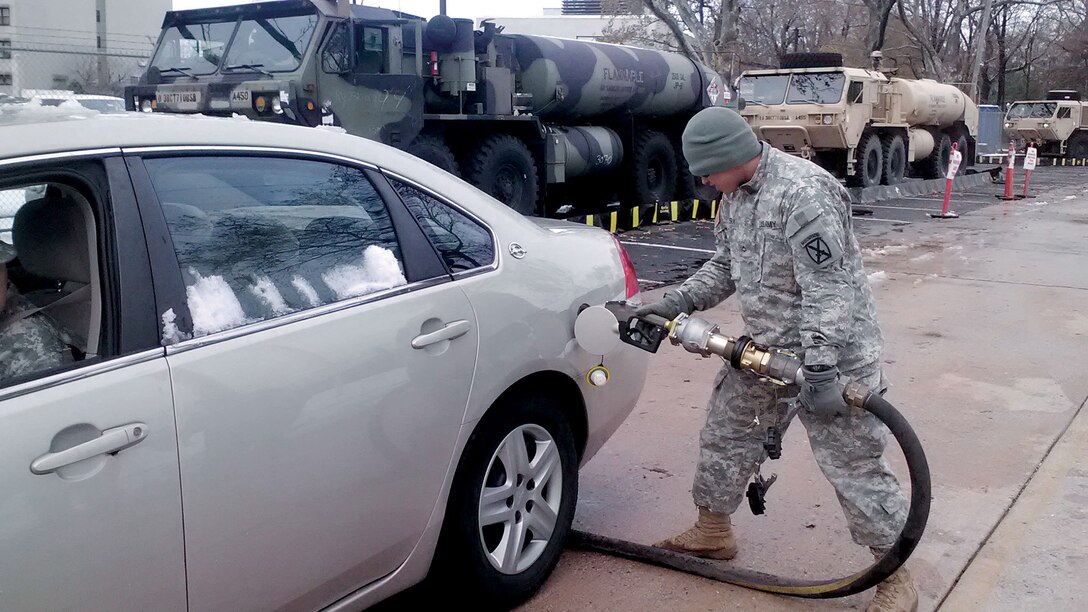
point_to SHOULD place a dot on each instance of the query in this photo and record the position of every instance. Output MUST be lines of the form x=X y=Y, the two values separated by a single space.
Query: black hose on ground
x=917 y=515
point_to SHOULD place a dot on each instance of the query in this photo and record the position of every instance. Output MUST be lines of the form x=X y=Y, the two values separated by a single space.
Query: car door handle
x=111 y=441
x=449 y=332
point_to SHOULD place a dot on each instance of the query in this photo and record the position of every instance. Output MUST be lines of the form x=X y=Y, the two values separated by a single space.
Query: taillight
x=629 y=275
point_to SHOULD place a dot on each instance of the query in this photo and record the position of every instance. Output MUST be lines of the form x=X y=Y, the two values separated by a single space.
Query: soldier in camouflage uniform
x=29 y=343
x=786 y=248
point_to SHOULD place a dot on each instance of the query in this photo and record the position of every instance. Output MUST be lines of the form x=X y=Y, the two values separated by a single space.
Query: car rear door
x=321 y=372
x=90 y=495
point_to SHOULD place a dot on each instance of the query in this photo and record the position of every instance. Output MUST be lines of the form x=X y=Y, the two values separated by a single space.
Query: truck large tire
x=1078 y=146
x=503 y=167
x=936 y=165
x=810 y=60
x=961 y=145
x=653 y=169
x=433 y=150
x=869 y=167
x=895 y=158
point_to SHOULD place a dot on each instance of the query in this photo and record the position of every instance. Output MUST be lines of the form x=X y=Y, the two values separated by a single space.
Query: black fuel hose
x=917 y=515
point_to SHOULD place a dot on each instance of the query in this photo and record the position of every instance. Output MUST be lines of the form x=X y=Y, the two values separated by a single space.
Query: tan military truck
x=859 y=123
x=1058 y=125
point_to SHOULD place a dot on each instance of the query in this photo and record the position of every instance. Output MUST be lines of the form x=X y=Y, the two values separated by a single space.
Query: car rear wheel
x=512 y=503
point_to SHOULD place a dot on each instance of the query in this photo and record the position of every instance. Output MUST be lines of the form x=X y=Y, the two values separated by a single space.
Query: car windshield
x=273 y=44
x=768 y=89
x=816 y=88
x=276 y=45
x=1032 y=110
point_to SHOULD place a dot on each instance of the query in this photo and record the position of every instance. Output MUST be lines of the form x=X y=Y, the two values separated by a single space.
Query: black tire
x=869 y=167
x=653 y=169
x=689 y=187
x=895 y=159
x=961 y=146
x=811 y=60
x=1077 y=147
x=433 y=150
x=936 y=164
x=463 y=560
x=503 y=167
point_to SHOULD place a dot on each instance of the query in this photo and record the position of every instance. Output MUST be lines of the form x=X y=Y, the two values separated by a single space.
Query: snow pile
x=379 y=270
x=170 y=332
x=270 y=296
x=878 y=276
x=307 y=290
x=1070 y=197
x=886 y=250
x=924 y=257
x=213 y=305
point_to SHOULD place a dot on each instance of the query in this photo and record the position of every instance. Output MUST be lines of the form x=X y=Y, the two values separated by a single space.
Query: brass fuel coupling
x=855 y=394
x=697 y=335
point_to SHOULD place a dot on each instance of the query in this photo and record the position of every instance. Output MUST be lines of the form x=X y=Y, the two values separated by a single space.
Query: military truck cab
x=537 y=122
x=1058 y=126
x=858 y=123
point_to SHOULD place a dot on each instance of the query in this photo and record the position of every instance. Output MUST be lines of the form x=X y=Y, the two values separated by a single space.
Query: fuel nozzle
x=697 y=335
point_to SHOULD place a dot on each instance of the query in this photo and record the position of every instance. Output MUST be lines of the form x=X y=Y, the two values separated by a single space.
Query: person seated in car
x=30 y=341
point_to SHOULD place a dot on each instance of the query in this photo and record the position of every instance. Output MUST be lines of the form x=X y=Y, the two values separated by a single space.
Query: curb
x=1000 y=158
x=918 y=187
x=689 y=210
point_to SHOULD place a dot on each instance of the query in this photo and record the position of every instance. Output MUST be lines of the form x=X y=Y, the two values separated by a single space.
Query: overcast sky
x=472 y=9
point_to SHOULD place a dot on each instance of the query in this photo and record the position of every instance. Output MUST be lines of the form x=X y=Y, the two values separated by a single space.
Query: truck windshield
x=273 y=44
x=816 y=88
x=277 y=45
x=1032 y=110
x=763 y=89
x=195 y=48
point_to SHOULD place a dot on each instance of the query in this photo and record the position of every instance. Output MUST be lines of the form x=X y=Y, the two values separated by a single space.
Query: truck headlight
x=1008 y=126
x=277 y=106
x=829 y=119
x=1045 y=125
x=146 y=105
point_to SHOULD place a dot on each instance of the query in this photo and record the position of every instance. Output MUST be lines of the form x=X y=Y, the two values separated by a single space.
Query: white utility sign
x=1030 y=158
x=954 y=164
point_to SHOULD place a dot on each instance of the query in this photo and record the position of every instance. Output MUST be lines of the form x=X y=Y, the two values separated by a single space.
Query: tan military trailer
x=1057 y=125
x=860 y=124
x=544 y=124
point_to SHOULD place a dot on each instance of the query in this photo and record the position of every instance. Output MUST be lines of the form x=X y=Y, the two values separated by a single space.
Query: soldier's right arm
x=713 y=282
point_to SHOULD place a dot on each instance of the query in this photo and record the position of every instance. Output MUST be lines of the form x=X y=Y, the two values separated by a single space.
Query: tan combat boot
x=711 y=537
x=896 y=594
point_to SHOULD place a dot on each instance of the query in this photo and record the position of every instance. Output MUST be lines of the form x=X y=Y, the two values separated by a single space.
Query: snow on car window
x=261 y=237
x=213 y=305
x=378 y=270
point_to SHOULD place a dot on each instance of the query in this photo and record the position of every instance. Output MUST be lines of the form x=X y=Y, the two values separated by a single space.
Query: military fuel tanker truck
x=859 y=123
x=1058 y=125
x=543 y=124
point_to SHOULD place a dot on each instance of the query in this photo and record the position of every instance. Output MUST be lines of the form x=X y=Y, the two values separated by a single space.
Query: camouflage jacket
x=786 y=246
x=29 y=345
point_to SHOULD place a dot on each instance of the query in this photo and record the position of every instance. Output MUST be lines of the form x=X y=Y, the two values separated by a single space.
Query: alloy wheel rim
x=519 y=502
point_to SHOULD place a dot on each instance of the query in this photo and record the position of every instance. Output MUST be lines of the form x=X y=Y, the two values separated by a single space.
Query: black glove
x=669 y=306
x=821 y=392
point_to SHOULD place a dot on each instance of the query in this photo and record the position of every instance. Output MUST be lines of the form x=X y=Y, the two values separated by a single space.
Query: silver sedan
x=256 y=367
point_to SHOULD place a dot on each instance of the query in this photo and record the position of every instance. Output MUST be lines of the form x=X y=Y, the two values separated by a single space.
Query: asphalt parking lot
x=669 y=253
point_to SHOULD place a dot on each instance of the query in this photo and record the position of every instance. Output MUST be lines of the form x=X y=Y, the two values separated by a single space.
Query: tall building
x=81 y=45
x=601 y=7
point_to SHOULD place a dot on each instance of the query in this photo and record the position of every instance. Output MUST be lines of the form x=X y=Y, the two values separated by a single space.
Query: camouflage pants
x=849 y=451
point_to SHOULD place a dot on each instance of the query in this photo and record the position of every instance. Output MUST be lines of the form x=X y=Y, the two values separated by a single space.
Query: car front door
x=90 y=494
x=323 y=383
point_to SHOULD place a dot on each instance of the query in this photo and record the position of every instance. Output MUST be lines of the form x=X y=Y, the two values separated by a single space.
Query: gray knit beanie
x=7 y=252
x=718 y=139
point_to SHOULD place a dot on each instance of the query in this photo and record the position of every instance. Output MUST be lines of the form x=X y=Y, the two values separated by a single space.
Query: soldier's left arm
x=816 y=227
